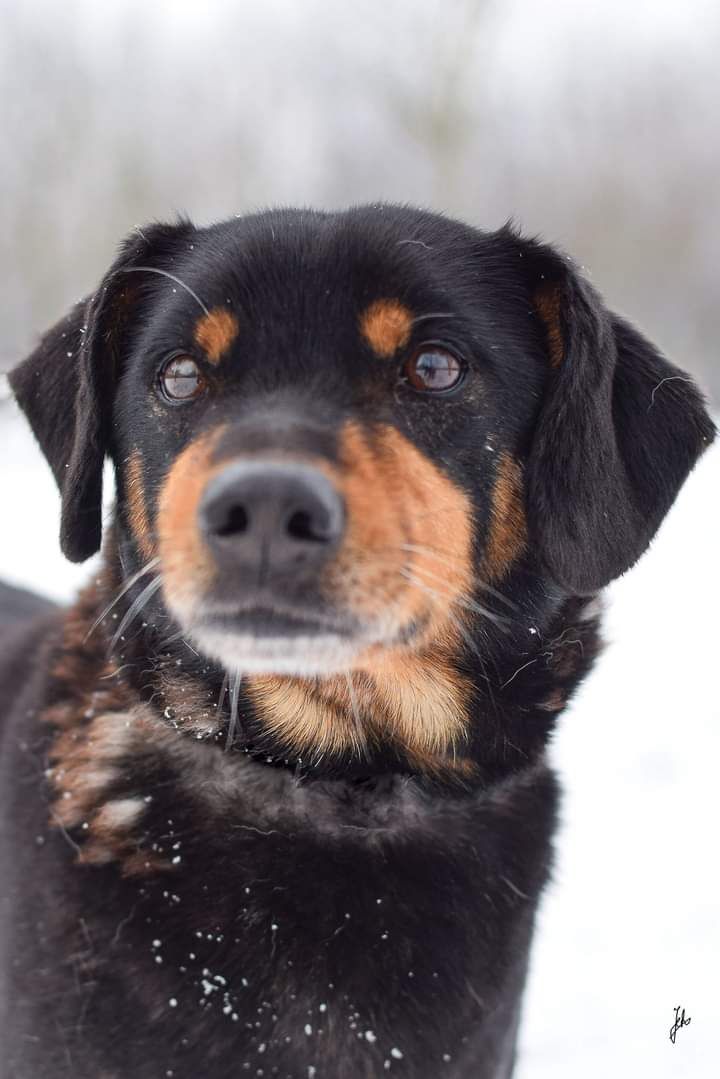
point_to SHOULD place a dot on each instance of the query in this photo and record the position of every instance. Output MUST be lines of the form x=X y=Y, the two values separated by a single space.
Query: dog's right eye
x=180 y=379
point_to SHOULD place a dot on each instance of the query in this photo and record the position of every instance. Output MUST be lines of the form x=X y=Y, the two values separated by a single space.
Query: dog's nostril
x=305 y=527
x=235 y=523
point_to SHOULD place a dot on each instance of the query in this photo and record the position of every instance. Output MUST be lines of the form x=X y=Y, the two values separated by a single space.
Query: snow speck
x=396 y=1054
x=308 y=1029
x=370 y=1036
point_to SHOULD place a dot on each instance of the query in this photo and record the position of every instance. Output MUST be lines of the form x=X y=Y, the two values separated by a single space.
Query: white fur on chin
x=303 y=656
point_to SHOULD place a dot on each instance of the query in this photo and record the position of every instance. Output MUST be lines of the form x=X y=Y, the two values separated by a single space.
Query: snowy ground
x=631 y=926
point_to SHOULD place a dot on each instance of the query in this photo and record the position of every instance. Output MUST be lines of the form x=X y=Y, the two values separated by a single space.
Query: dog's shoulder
x=28 y=624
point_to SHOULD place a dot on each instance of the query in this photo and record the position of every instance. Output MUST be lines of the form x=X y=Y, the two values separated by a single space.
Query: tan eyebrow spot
x=215 y=332
x=386 y=326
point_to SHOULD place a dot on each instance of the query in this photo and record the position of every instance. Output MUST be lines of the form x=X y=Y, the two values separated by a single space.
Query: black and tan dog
x=274 y=792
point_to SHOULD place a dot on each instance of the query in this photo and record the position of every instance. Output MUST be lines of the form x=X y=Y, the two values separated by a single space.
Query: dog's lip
x=261 y=621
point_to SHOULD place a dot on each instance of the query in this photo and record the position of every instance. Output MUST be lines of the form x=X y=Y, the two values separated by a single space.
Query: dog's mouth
x=263 y=621
x=265 y=638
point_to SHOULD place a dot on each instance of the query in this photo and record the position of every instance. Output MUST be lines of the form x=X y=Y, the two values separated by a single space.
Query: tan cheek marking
x=137 y=504
x=398 y=503
x=215 y=332
x=186 y=563
x=392 y=564
x=547 y=304
x=386 y=326
x=507 y=536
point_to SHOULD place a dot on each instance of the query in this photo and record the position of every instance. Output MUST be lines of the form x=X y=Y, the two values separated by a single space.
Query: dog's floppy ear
x=618 y=432
x=66 y=389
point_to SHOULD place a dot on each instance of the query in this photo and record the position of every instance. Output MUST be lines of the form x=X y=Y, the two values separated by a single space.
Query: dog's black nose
x=270 y=517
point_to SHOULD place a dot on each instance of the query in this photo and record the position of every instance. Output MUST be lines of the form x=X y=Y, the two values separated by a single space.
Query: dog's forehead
x=296 y=268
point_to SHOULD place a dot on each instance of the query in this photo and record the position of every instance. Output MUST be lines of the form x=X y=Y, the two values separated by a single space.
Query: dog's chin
x=313 y=655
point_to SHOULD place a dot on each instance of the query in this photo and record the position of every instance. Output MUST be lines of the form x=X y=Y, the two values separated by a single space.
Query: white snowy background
x=595 y=124
x=630 y=928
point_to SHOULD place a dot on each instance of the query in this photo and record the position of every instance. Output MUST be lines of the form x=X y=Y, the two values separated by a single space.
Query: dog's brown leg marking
x=137 y=504
x=547 y=305
x=507 y=535
x=386 y=326
x=215 y=333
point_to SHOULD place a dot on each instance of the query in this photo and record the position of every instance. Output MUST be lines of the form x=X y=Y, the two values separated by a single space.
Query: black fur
x=317 y=917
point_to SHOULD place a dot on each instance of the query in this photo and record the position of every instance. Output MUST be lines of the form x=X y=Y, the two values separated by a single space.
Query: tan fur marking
x=187 y=565
x=418 y=701
x=215 y=333
x=117 y=815
x=391 y=564
x=507 y=537
x=386 y=326
x=392 y=572
x=547 y=305
x=137 y=504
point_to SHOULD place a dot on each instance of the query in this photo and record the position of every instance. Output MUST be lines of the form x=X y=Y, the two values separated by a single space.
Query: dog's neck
x=127 y=720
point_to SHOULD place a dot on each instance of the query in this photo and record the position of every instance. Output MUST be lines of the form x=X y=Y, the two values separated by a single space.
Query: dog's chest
x=297 y=952
x=225 y=919
x=272 y=933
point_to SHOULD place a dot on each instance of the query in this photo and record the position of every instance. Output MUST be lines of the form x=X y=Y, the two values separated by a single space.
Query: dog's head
x=335 y=436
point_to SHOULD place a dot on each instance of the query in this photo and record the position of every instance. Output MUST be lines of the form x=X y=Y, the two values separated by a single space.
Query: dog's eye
x=432 y=369
x=180 y=379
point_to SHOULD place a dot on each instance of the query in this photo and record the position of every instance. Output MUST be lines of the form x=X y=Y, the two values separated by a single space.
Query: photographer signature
x=680 y=1021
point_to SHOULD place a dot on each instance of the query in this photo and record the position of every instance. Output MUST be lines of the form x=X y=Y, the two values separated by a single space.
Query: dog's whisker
x=171 y=276
x=430 y=314
x=125 y=588
x=136 y=607
x=179 y=636
x=463 y=599
x=223 y=692
x=234 y=698
x=430 y=552
x=460 y=600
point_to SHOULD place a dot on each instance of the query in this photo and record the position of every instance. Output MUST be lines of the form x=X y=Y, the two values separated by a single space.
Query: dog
x=275 y=796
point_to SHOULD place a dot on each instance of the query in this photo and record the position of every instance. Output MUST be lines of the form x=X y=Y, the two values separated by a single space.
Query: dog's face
x=321 y=441
x=340 y=438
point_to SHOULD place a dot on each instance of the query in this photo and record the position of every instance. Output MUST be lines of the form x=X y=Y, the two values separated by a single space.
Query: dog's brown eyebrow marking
x=137 y=504
x=215 y=332
x=507 y=536
x=386 y=326
x=547 y=305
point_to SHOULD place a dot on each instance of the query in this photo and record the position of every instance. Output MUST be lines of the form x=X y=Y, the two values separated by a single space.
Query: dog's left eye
x=180 y=379
x=431 y=369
